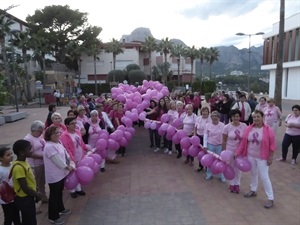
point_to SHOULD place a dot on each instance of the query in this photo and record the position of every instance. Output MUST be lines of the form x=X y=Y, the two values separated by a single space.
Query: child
x=24 y=183
x=10 y=210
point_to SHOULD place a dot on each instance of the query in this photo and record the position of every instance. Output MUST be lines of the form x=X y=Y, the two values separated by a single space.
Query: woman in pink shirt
x=259 y=145
x=189 y=121
x=173 y=114
x=36 y=161
x=292 y=135
x=181 y=113
x=262 y=104
x=272 y=115
x=232 y=136
x=200 y=127
x=212 y=140
x=57 y=167
x=82 y=115
x=57 y=122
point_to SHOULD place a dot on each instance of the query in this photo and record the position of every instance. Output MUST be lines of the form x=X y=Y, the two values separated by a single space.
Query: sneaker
x=293 y=162
x=65 y=212
x=280 y=160
x=231 y=188
x=208 y=177
x=170 y=152
x=82 y=193
x=166 y=151
x=59 y=221
x=179 y=155
x=156 y=150
x=73 y=194
x=269 y=204
x=237 y=189
x=102 y=170
x=222 y=179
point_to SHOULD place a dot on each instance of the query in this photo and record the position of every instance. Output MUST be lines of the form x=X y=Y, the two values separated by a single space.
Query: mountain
x=230 y=59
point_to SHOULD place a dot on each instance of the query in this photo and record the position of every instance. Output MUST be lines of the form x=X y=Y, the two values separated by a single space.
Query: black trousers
x=152 y=136
x=27 y=207
x=287 y=141
x=11 y=214
x=56 y=205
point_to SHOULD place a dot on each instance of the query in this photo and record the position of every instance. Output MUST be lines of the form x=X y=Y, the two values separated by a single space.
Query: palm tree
x=192 y=53
x=23 y=42
x=177 y=51
x=162 y=71
x=5 y=24
x=93 y=48
x=165 y=47
x=115 y=47
x=75 y=51
x=149 y=46
x=212 y=55
x=202 y=56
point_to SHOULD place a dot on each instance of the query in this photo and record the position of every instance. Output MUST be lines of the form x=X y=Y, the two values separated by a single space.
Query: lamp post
x=249 y=51
x=178 y=65
x=14 y=71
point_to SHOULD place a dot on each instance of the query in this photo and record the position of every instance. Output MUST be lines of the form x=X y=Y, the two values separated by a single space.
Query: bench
x=11 y=117
x=2 y=120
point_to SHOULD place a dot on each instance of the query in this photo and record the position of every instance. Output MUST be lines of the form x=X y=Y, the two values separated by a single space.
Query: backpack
x=7 y=192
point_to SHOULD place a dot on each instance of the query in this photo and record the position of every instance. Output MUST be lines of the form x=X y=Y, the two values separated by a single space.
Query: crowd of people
x=52 y=149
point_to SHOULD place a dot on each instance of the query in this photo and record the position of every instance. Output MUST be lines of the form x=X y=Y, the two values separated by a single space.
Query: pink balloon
x=103 y=136
x=195 y=140
x=146 y=97
x=226 y=155
x=84 y=174
x=86 y=161
x=153 y=126
x=128 y=122
x=207 y=160
x=220 y=166
x=243 y=164
x=127 y=135
x=161 y=132
x=123 y=142
x=134 y=116
x=130 y=130
x=71 y=180
x=181 y=134
x=185 y=152
x=121 y=127
x=128 y=114
x=103 y=153
x=147 y=124
x=193 y=151
x=185 y=142
x=213 y=167
x=96 y=168
x=142 y=116
x=113 y=136
x=175 y=139
x=169 y=137
x=134 y=111
x=165 y=118
x=171 y=130
x=229 y=172
x=177 y=123
x=119 y=134
x=121 y=98
x=164 y=126
x=158 y=87
x=98 y=159
x=101 y=144
x=200 y=155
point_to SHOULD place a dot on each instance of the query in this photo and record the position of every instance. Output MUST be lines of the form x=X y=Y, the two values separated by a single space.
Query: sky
x=202 y=23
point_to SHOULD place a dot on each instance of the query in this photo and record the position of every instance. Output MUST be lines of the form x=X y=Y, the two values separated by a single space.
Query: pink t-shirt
x=261 y=107
x=173 y=115
x=201 y=123
x=254 y=142
x=272 y=114
x=76 y=139
x=214 y=133
x=189 y=123
x=94 y=131
x=38 y=145
x=294 y=120
x=234 y=135
x=79 y=125
x=54 y=174
x=83 y=119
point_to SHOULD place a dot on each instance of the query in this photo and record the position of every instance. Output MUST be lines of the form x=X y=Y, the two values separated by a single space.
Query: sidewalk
x=149 y=188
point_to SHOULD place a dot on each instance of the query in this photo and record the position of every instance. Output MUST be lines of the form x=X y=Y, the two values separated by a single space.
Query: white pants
x=77 y=188
x=111 y=154
x=238 y=174
x=261 y=169
x=274 y=127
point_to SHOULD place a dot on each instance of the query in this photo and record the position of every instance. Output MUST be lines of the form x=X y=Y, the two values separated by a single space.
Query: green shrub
x=136 y=76
x=208 y=86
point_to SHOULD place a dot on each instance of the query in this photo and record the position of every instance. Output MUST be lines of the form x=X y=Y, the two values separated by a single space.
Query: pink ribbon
x=77 y=141
x=237 y=135
x=94 y=130
x=42 y=143
x=269 y=113
x=255 y=140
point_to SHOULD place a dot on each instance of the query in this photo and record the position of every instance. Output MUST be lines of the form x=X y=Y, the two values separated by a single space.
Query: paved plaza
x=148 y=188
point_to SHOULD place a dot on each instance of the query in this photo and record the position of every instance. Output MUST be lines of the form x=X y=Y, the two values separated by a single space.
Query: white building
x=291 y=58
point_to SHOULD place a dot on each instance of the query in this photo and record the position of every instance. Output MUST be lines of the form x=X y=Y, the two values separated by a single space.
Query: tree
x=60 y=24
x=23 y=41
x=115 y=47
x=177 y=51
x=192 y=53
x=279 y=69
x=202 y=57
x=5 y=24
x=149 y=46
x=163 y=72
x=115 y=75
x=165 y=47
x=212 y=55
x=94 y=49
x=136 y=76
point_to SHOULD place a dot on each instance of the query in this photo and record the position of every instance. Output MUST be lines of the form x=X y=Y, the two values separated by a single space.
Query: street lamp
x=13 y=70
x=249 y=51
